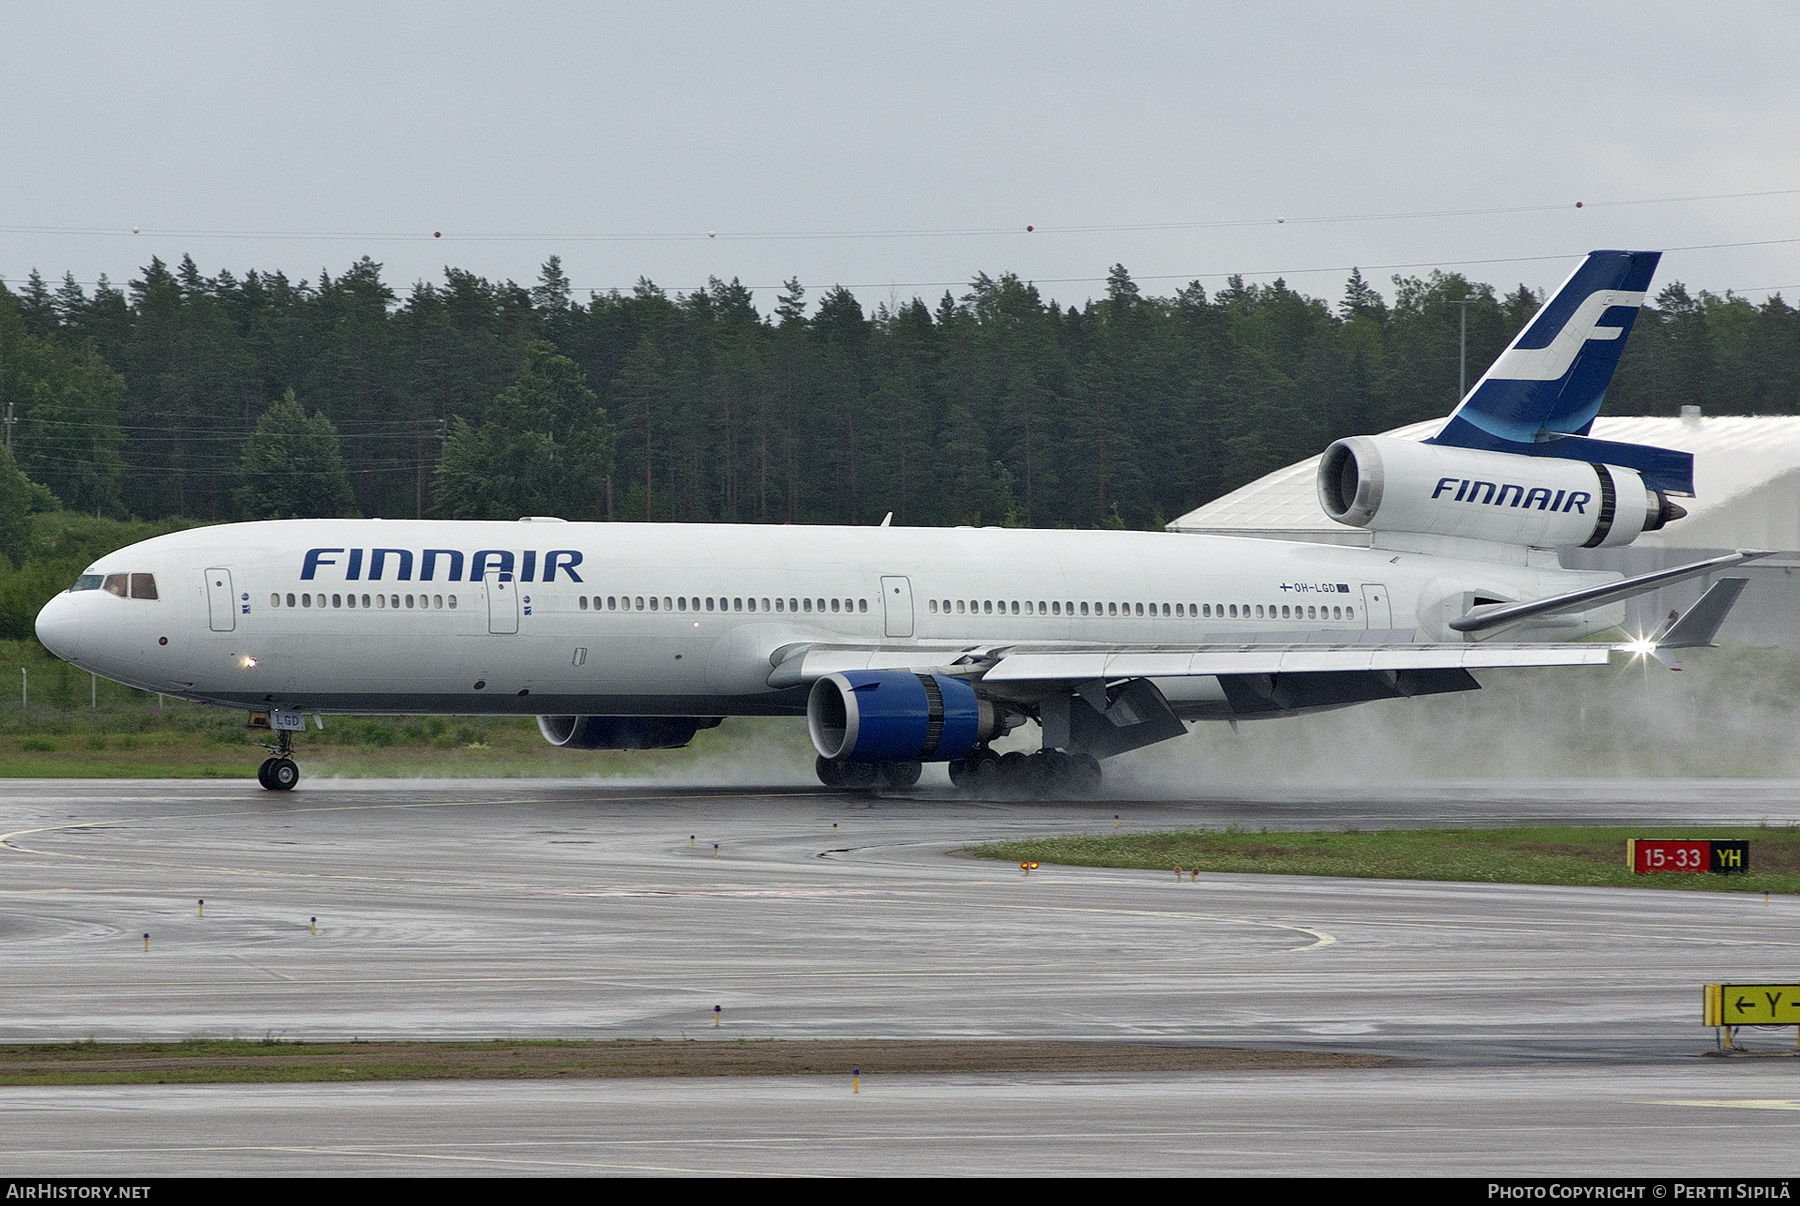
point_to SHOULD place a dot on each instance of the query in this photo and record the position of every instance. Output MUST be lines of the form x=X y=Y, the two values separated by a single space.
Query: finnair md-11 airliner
x=909 y=645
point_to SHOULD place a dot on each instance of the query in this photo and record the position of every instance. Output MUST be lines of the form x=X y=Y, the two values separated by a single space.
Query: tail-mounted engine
x=1392 y=485
x=897 y=716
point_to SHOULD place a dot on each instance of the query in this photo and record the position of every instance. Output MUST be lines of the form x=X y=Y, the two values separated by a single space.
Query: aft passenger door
x=502 y=602
x=221 y=604
x=897 y=604
x=1376 y=610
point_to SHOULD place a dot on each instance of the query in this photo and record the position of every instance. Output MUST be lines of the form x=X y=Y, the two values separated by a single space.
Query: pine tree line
x=204 y=397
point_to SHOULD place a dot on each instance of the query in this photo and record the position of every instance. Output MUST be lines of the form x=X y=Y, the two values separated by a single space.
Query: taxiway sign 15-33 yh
x=902 y=646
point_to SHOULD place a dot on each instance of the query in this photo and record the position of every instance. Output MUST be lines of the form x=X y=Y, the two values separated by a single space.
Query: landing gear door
x=1376 y=610
x=221 y=604
x=502 y=601
x=897 y=604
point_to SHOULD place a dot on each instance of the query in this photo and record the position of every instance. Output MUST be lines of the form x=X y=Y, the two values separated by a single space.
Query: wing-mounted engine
x=1386 y=484
x=623 y=732
x=899 y=716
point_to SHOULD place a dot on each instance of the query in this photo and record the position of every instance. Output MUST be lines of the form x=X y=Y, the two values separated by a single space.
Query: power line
x=598 y=290
x=877 y=233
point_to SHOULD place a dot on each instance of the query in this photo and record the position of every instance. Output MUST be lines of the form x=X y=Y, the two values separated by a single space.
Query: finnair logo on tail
x=1550 y=363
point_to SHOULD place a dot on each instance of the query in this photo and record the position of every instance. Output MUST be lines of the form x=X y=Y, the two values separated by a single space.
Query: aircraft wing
x=1497 y=615
x=1022 y=663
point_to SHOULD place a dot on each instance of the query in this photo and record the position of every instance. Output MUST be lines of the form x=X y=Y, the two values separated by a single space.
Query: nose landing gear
x=279 y=772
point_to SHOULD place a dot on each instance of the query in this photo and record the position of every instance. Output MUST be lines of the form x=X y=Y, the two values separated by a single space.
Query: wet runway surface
x=496 y=909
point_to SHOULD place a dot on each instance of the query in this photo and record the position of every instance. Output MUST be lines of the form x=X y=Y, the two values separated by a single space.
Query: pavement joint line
x=501 y=802
x=996 y=1136
x=385 y=1153
x=1775 y=1104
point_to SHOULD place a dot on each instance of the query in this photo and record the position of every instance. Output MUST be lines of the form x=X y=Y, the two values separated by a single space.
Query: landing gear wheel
x=900 y=774
x=283 y=774
x=262 y=773
x=1018 y=772
x=840 y=772
x=859 y=775
x=1084 y=777
x=984 y=767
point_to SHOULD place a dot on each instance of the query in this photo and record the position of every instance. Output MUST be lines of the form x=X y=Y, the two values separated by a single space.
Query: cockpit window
x=126 y=586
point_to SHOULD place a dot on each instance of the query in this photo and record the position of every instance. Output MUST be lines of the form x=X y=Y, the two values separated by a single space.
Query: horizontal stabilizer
x=1698 y=628
x=1482 y=619
x=1662 y=469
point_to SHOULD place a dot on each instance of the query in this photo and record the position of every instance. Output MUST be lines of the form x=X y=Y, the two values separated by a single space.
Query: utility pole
x=1462 y=371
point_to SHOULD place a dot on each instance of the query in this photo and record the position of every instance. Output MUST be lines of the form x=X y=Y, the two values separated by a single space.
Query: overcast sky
x=902 y=148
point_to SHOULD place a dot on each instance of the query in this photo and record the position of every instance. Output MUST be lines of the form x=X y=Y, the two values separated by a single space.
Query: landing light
x=248 y=663
x=1641 y=647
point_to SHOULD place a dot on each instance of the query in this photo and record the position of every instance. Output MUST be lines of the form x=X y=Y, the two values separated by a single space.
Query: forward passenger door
x=221 y=604
x=502 y=602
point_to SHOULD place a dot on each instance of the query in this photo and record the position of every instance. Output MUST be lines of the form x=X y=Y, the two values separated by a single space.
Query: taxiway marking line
x=1320 y=937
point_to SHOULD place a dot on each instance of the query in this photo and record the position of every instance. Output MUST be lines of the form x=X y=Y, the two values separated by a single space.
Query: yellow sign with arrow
x=1752 y=1005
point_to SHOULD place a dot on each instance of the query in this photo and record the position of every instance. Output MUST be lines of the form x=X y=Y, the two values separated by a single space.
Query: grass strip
x=1545 y=854
x=211 y=1061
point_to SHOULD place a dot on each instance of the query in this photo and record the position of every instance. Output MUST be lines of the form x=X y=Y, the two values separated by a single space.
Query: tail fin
x=1541 y=396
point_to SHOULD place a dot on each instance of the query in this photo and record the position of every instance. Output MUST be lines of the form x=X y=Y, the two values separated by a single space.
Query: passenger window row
x=126 y=586
x=378 y=602
x=143 y=586
x=740 y=603
x=988 y=607
x=1179 y=610
x=1243 y=611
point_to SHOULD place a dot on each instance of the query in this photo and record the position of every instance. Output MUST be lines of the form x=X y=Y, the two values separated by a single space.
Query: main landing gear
x=841 y=772
x=982 y=773
x=1045 y=773
x=280 y=772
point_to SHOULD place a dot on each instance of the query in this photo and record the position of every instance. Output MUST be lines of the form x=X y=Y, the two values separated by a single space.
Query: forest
x=186 y=398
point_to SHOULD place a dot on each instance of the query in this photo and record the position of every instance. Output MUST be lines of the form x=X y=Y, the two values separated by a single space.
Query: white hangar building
x=1747 y=495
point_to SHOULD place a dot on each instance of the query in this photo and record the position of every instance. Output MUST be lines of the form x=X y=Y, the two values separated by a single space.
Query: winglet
x=1698 y=628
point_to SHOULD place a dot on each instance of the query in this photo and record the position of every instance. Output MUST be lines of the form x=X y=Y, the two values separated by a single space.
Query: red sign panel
x=1650 y=856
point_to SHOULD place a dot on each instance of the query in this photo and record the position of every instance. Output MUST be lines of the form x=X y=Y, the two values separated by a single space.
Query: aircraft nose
x=57 y=625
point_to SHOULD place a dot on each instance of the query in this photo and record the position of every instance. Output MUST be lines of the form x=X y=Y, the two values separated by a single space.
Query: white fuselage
x=541 y=617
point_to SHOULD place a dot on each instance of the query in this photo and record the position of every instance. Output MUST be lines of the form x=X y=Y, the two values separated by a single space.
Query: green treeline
x=195 y=398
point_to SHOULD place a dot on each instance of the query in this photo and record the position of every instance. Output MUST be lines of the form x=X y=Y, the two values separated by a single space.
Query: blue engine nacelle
x=897 y=716
x=622 y=732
